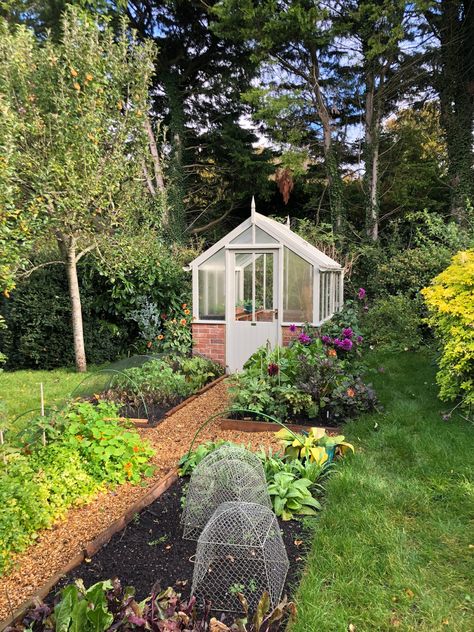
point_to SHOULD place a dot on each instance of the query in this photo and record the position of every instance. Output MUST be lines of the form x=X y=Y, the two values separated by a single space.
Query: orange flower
x=79 y=437
x=127 y=466
x=351 y=392
x=332 y=352
x=182 y=321
x=76 y=86
x=184 y=305
x=89 y=77
x=187 y=312
x=160 y=337
x=73 y=72
x=136 y=448
x=149 y=343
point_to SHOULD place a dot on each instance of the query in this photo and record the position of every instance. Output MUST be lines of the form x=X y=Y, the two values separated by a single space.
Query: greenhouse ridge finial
x=252 y=208
x=288 y=221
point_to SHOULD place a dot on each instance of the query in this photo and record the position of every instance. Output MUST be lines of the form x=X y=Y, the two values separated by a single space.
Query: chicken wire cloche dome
x=230 y=473
x=240 y=550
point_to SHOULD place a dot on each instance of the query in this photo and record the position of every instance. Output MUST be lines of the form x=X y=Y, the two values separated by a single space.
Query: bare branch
x=28 y=273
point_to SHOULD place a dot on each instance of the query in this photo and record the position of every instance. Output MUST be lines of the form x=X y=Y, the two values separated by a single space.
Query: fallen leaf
x=445 y=622
x=351 y=627
x=409 y=593
x=395 y=621
x=181 y=582
x=168 y=546
x=298 y=542
x=87 y=560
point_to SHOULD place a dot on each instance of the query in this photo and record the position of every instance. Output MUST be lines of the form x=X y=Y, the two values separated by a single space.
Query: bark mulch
x=55 y=547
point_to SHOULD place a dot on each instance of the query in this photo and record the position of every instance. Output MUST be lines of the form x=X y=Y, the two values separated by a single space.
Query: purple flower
x=346 y=344
x=326 y=340
x=347 y=333
x=359 y=339
x=304 y=338
x=361 y=294
x=337 y=342
x=273 y=369
x=292 y=328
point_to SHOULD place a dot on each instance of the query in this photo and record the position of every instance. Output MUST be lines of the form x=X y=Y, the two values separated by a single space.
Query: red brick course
x=209 y=341
x=287 y=336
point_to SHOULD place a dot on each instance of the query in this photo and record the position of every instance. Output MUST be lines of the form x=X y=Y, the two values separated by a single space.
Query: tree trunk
x=331 y=164
x=371 y=158
x=456 y=90
x=76 y=308
x=176 y=222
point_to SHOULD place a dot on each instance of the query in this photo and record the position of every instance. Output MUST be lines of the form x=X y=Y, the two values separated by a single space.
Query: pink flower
x=361 y=294
x=292 y=328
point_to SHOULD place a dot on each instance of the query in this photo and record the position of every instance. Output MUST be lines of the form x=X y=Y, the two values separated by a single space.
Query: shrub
x=450 y=300
x=394 y=322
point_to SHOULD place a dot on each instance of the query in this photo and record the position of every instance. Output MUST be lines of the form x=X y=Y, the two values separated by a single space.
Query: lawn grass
x=393 y=547
x=20 y=390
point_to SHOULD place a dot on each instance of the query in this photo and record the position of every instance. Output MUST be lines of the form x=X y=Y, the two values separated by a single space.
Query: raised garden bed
x=150 y=549
x=142 y=422
x=251 y=425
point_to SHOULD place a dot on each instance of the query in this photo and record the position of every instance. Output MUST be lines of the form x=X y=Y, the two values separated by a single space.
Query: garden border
x=93 y=547
x=249 y=425
x=143 y=423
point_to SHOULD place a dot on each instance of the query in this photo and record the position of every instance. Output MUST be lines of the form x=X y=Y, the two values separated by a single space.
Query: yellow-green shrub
x=450 y=300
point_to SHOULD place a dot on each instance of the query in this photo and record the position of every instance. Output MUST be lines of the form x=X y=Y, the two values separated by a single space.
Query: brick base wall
x=287 y=336
x=209 y=341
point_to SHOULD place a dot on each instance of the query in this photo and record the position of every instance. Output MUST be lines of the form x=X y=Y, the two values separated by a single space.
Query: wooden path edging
x=249 y=425
x=93 y=547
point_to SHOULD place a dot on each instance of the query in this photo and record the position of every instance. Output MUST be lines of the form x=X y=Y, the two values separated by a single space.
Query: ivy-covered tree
x=451 y=23
x=75 y=135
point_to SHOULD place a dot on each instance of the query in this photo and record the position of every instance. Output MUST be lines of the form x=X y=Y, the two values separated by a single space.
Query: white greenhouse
x=254 y=284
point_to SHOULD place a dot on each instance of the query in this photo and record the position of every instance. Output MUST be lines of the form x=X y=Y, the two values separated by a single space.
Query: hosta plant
x=291 y=495
x=315 y=446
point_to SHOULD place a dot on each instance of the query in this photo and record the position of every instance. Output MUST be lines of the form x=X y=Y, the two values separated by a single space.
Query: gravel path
x=55 y=547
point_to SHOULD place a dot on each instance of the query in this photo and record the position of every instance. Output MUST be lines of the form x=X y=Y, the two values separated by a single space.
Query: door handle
x=276 y=313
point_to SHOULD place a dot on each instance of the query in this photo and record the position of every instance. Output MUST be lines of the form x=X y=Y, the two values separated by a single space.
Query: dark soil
x=154 y=412
x=150 y=549
x=329 y=421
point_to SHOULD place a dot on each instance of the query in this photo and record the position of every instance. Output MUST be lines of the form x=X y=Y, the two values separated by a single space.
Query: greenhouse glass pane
x=211 y=287
x=297 y=288
x=262 y=237
x=243 y=238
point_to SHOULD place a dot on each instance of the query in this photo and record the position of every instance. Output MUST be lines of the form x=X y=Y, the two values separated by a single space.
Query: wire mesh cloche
x=240 y=551
x=230 y=473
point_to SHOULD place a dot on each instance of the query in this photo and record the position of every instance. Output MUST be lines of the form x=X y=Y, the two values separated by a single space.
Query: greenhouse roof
x=277 y=231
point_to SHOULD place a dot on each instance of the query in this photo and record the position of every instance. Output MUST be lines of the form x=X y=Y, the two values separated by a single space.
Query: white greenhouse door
x=252 y=316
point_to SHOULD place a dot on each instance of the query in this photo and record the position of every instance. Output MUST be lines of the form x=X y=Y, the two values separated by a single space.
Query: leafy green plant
x=190 y=460
x=113 y=453
x=291 y=495
x=307 y=379
x=37 y=490
x=107 y=606
x=394 y=322
x=86 y=448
